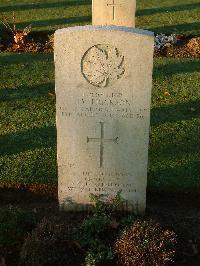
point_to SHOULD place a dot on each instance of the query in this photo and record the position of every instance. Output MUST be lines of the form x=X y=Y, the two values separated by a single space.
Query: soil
x=179 y=211
x=186 y=46
x=42 y=42
x=35 y=42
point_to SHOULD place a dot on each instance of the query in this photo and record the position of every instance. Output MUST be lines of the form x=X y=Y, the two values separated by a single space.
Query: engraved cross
x=113 y=5
x=102 y=141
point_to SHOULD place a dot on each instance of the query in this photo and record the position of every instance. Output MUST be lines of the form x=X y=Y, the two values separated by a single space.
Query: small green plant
x=14 y=224
x=50 y=41
x=104 y=205
x=93 y=233
x=145 y=243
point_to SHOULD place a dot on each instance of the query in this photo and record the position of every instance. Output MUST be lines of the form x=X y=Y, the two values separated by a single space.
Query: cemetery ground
x=174 y=17
x=28 y=171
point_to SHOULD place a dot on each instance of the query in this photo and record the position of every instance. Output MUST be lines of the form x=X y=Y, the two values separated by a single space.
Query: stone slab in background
x=114 y=12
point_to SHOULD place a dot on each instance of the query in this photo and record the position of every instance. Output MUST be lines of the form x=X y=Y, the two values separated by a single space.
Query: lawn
x=27 y=119
x=28 y=134
x=27 y=110
x=166 y=16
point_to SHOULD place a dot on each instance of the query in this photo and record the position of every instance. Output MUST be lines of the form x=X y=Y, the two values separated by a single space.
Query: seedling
x=19 y=36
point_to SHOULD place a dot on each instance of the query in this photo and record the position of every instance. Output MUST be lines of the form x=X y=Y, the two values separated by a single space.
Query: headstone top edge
x=105 y=28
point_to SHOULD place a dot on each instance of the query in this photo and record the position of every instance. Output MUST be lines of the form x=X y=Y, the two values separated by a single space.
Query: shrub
x=95 y=232
x=48 y=244
x=14 y=224
x=145 y=243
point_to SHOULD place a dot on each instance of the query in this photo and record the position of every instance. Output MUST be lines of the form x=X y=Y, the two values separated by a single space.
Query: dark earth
x=42 y=42
x=178 y=211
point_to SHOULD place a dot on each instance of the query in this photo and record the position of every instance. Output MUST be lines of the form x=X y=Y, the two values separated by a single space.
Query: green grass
x=28 y=134
x=169 y=16
x=27 y=119
x=174 y=160
x=166 y=16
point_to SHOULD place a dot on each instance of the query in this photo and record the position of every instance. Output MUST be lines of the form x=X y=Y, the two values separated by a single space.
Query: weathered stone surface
x=103 y=91
x=114 y=12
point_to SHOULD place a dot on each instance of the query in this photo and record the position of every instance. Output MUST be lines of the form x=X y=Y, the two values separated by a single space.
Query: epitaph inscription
x=102 y=65
x=101 y=181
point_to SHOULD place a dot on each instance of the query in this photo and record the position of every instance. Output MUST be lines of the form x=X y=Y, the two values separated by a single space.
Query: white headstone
x=103 y=91
x=114 y=12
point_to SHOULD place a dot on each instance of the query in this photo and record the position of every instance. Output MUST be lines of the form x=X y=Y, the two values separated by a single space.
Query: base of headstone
x=125 y=207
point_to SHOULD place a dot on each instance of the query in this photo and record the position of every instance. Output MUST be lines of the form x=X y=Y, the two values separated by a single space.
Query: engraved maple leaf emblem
x=102 y=65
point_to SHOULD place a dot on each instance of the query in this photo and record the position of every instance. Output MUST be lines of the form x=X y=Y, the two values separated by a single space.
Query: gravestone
x=103 y=92
x=114 y=12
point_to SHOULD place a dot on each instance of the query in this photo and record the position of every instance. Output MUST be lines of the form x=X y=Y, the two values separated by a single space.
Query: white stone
x=114 y=12
x=103 y=91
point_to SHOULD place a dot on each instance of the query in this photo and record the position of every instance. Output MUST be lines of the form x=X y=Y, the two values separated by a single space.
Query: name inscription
x=106 y=104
